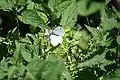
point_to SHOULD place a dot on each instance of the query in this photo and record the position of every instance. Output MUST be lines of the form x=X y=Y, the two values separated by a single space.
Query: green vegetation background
x=90 y=49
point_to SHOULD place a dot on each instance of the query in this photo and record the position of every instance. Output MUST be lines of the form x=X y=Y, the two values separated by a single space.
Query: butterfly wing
x=55 y=36
x=55 y=40
x=59 y=31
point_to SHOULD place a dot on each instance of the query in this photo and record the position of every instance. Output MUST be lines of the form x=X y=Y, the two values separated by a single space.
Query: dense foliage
x=90 y=49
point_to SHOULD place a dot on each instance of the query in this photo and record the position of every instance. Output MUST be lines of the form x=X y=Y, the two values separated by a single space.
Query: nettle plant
x=85 y=46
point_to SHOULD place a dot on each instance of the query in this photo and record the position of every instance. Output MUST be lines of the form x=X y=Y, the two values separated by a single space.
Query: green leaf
x=3 y=69
x=82 y=37
x=84 y=9
x=113 y=76
x=109 y=24
x=33 y=17
x=69 y=15
x=66 y=9
x=66 y=75
x=34 y=6
x=94 y=31
x=61 y=7
x=22 y=49
x=21 y=2
x=107 y=1
x=96 y=60
x=7 y=4
x=118 y=40
x=26 y=52
x=53 y=3
x=28 y=39
x=11 y=71
x=21 y=69
x=28 y=47
x=26 y=55
x=50 y=69
x=109 y=19
x=17 y=50
x=29 y=76
x=33 y=67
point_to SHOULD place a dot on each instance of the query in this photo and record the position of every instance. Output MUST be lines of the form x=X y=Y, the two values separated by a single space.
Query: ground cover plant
x=59 y=40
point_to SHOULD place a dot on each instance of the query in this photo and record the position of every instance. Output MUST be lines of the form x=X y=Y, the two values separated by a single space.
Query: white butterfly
x=55 y=36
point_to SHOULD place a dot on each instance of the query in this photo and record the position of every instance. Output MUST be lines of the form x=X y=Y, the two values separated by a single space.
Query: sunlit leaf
x=109 y=24
x=21 y=2
x=7 y=4
x=53 y=3
x=34 y=6
x=26 y=55
x=33 y=17
x=66 y=9
x=94 y=31
x=69 y=15
x=82 y=37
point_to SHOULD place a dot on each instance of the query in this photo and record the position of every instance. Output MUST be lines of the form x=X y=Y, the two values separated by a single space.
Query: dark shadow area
x=7 y=22
x=86 y=75
x=93 y=20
